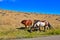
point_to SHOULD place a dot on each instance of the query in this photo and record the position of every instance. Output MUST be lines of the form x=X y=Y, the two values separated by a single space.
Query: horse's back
x=41 y=23
x=27 y=22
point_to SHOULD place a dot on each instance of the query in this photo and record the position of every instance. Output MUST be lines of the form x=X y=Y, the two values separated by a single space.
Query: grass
x=25 y=34
x=10 y=20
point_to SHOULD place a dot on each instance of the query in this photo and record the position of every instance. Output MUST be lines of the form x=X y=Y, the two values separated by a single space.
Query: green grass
x=25 y=34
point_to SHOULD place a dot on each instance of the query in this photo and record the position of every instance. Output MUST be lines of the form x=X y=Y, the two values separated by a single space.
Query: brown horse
x=27 y=23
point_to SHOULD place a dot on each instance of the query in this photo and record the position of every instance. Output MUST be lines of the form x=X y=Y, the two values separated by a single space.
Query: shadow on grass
x=21 y=28
x=27 y=29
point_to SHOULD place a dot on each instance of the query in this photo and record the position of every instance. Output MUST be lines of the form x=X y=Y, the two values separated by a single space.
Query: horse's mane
x=35 y=21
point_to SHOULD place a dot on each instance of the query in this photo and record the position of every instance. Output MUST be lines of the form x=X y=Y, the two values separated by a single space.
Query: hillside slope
x=10 y=19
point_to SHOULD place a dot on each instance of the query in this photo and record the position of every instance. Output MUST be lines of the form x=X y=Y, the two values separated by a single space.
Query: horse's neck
x=34 y=25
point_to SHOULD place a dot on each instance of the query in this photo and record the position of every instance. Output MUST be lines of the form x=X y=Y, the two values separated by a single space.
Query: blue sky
x=40 y=6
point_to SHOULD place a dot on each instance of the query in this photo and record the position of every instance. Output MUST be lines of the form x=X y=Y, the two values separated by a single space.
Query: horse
x=27 y=23
x=37 y=24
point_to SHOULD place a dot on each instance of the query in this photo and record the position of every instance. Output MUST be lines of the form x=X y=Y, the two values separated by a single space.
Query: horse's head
x=23 y=21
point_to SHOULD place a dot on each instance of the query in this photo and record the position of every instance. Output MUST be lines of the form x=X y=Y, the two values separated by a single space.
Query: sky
x=38 y=6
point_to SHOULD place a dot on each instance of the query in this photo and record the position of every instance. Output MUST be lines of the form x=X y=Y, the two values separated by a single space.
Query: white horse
x=37 y=24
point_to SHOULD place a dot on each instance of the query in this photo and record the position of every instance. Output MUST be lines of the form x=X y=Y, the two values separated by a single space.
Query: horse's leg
x=47 y=27
x=50 y=27
x=44 y=28
x=39 y=29
x=25 y=26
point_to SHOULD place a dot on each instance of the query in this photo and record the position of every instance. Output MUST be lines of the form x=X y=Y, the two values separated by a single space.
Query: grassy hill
x=10 y=20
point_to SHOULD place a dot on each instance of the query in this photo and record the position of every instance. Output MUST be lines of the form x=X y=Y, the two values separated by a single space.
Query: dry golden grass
x=10 y=19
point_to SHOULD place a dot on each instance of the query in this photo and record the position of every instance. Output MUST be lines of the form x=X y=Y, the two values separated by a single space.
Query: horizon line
x=30 y=12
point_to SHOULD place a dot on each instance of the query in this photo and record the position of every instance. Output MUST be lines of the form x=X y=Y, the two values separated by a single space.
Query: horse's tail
x=49 y=25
